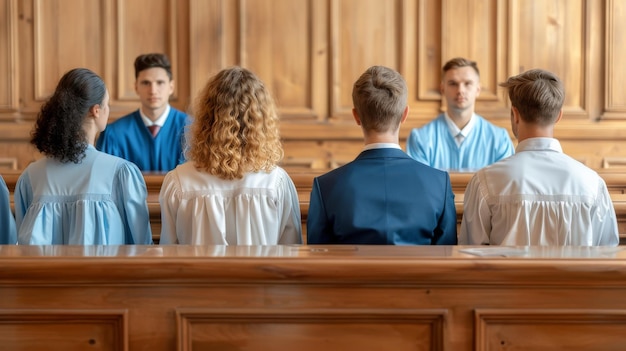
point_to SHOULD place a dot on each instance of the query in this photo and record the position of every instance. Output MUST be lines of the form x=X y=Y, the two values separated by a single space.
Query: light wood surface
x=311 y=298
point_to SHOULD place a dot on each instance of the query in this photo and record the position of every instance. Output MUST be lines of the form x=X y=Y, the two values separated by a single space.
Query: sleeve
x=8 y=234
x=318 y=230
x=604 y=222
x=415 y=149
x=22 y=198
x=445 y=234
x=169 y=199
x=476 y=222
x=504 y=146
x=291 y=222
x=133 y=193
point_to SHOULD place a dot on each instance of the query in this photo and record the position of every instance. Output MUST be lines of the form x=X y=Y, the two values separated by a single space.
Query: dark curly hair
x=58 y=131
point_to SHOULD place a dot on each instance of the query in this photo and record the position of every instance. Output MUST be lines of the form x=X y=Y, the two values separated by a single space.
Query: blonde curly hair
x=235 y=128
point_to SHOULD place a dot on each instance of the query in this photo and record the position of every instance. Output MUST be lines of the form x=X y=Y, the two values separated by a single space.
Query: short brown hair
x=458 y=62
x=380 y=97
x=537 y=94
x=153 y=60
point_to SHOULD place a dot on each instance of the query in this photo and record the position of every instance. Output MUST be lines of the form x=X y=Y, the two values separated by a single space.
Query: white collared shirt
x=460 y=134
x=538 y=196
x=159 y=121
x=381 y=146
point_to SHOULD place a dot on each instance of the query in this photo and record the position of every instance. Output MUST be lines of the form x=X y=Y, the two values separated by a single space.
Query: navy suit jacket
x=383 y=197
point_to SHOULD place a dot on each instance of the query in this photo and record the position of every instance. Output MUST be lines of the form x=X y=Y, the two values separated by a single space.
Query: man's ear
x=356 y=117
x=560 y=116
x=405 y=114
x=516 y=115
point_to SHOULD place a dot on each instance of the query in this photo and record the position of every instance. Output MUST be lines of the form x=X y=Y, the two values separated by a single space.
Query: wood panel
x=309 y=53
x=307 y=329
x=154 y=30
x=545 y=41
x=63 y=329
x=320 y=297
x=8 y=58
x=363 y=33
x=615 y=104
x=551 y=329
x=58 y=26
x=483 y=41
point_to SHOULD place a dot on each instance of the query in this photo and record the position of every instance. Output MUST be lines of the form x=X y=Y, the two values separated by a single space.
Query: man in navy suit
x=383 y=197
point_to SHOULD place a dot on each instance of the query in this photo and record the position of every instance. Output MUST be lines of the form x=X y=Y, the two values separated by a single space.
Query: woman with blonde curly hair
x=231 y=191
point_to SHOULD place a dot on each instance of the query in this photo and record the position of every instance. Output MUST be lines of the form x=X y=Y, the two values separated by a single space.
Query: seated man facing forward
x=459 y=139
x=539 y=196
x=151 y=137
x=382 y=197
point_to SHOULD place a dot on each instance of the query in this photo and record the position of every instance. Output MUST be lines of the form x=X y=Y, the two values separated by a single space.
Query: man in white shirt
x=539 y=196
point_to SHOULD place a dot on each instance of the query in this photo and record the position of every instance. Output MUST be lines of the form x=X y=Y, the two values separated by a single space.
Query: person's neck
x=460 y=117
x=533 y=131
x=91 y=132
x=375 y=138
x=152 y=114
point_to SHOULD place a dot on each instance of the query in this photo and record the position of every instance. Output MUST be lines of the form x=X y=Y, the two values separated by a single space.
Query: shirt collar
x=381 y=146
x=159 y=121
x=539 y=144
x=454 y=130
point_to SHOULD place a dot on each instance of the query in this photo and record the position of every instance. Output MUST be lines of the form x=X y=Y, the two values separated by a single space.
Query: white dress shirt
x=198 y=208
x=460 y=134
x=538 y=196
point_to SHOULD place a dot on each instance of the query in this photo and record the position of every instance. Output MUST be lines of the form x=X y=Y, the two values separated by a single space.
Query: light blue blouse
x=7 y=222
x=99 y=201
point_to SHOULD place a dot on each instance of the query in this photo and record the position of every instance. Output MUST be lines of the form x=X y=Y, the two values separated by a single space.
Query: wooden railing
x=303 y=180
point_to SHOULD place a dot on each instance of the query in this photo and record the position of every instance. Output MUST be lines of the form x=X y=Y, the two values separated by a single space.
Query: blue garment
x=7 y=222
x=99 y=201
x=130 y=139
x=433 y=145
x=383 y=197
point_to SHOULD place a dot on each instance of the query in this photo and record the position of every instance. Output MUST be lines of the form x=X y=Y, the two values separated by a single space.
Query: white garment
x=460 y=134
x=538 y=196
x=199 y=208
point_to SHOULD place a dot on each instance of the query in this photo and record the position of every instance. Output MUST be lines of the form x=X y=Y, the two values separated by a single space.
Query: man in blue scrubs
x=459 y=139
x=151 y=137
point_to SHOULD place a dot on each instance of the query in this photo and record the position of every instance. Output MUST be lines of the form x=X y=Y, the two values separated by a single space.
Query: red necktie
x=154 y=129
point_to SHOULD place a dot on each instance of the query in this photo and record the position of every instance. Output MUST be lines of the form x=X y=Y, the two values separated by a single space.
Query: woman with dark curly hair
x=77 y=195
x=231 y=191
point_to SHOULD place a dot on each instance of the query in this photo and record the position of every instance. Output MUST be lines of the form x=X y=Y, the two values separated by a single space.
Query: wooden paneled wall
x=309 y=53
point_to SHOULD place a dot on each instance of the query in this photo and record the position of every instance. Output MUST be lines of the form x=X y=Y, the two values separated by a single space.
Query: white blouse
x=198 y=208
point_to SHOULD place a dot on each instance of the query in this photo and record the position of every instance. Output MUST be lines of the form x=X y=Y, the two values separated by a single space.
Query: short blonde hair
x=235 y=127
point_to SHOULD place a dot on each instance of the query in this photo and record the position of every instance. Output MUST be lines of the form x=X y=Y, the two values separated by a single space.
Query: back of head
x=459 y=62
x=235 y=128
x=58 y=131
x=537 y=94
x=380 y=98
x=153 y=60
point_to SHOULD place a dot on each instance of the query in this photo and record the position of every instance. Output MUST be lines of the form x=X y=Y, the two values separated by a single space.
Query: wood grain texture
x=319 y=297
